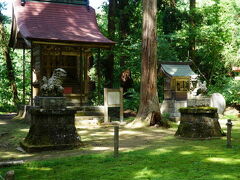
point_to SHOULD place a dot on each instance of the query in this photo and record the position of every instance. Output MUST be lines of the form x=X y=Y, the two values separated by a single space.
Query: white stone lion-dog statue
x=52 y=87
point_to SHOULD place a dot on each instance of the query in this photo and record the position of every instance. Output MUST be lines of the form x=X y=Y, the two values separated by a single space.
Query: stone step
x=73 y=95
x=88 y=108
x=91 y=108
x=80 y=118
x=73 y=105
x=89 y=113
x=74 y=101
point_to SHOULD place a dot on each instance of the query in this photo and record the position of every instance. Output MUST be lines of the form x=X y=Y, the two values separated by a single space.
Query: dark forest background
x=205 y=32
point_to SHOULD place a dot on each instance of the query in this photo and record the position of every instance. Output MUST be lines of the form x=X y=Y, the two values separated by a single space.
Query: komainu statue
x=52 y=87
x=200 y=89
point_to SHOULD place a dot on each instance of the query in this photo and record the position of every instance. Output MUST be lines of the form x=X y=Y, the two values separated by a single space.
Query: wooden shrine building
x=60 y=34
x=177 y=79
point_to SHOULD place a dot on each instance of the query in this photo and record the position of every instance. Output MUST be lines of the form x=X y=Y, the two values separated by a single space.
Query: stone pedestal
x=199 y=123
x=50 y=102
x=51 y=129
x=172 y=106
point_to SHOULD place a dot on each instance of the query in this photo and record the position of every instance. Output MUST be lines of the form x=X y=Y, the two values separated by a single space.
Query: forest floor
x=96 y=139
x=147 y=153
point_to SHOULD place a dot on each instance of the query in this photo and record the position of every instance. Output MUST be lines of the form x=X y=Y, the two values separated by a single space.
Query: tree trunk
x=9 y=65
x=111 y=35
x=124 y=17
x=149 y=109
x=192 y=35
x=124 y=28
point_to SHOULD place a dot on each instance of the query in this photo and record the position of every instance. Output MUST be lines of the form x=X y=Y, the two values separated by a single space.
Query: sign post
x=113 y=98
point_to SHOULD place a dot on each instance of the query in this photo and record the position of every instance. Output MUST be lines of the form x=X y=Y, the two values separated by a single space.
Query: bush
x=132 y=100
x=229 y=88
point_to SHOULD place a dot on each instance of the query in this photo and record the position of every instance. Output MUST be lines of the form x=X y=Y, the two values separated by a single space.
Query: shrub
x=229 y=88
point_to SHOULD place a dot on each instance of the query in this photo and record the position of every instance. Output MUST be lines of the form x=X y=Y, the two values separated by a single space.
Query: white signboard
x=113 y=98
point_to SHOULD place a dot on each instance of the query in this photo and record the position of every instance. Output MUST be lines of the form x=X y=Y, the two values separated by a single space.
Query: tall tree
x=192 y=34
x=149 y=109
x=124 y=19
x=124 y=26
x=6 y=54
x=111 y=35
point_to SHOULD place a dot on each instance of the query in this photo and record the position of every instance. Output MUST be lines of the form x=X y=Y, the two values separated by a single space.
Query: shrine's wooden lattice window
x=72 y=60
x=182 y=85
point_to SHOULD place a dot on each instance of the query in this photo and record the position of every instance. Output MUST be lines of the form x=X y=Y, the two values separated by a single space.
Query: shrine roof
x=177 y=70
x=43 y=21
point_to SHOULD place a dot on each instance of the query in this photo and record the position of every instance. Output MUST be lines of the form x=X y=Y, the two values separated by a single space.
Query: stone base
x=199 y=123
x=50 y=130
x=50 y=102
x=172 y=106
x=198 y=102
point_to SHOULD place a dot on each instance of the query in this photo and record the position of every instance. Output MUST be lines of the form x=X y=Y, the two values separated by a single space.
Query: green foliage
x=127 y=50
x=132 y=100
x=6 y=99
x=216 y=30
x=229 y=88
x=166 y=117
x=165 y=50
x=217 y=33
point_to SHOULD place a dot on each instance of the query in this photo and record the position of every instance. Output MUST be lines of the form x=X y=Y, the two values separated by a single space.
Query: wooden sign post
x=113 y=98
x=229 y=133
x=116 y=141
x=237 y=69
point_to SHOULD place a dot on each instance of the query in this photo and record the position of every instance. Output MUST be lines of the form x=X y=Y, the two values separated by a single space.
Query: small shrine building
x=178 y=80
x=60 y=34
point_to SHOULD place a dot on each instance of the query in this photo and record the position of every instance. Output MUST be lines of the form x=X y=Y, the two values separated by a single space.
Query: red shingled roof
x=58 y=22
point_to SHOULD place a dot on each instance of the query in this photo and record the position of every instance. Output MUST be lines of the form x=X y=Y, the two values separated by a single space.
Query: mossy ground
x=147 y=153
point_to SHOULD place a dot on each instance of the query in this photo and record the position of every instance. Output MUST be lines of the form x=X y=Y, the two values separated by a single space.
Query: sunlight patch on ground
x=129 y=149
x=169 y=137
x=223 y=160
x=225 y=176
x=2 y=122
x=100 y=148
x=186 y=152
x=128 y=132
x=160 y=151
x=201 y=148
x=88 y=127
x=101 y=134
x=13 y=155
x=82 y=131
x=40 y=169
x=24 y=130
x=144 y=174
